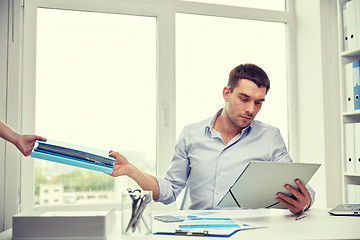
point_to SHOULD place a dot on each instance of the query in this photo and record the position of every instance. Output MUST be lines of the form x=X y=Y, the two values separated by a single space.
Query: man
x=210 y=155
x=24 y=143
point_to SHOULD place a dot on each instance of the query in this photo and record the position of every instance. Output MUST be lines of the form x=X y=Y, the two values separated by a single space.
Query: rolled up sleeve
x=177 y=175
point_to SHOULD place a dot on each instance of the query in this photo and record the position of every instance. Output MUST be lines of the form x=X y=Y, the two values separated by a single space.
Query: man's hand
x=301 y=200
x=122 y=166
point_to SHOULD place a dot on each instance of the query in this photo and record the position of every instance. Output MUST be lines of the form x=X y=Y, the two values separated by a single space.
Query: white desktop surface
x=279 y=224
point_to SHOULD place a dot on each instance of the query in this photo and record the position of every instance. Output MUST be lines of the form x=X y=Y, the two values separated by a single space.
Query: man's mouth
x=246 y=117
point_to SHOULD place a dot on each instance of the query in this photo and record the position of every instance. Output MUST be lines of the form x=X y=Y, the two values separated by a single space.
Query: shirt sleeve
x=278 y=149
x=280 y=154
x=177 y=175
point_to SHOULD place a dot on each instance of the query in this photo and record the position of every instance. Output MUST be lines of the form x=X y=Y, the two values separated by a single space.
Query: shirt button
x=217 y=193
x=219 y=172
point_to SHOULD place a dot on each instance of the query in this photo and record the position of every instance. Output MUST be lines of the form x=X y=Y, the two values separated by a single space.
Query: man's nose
x=250 y=108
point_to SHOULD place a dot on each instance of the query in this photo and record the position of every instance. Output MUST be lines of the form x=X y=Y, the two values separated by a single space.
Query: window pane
x=205 y=58
x=95 y=86
x=278 y=5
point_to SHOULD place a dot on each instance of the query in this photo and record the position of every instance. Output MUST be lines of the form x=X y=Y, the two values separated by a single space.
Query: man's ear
x=226 y=92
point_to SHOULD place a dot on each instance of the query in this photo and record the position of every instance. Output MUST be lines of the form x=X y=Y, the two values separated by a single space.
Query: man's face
x=244 y=102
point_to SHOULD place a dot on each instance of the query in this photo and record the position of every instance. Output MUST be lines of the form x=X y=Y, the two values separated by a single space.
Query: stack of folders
x=75 y=155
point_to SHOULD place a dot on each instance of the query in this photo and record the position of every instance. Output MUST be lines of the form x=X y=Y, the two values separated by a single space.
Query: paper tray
x=65 y=222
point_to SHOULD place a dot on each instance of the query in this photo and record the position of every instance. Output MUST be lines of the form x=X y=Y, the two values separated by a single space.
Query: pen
x=300 y=217
x=190 y=233
x=140 y=211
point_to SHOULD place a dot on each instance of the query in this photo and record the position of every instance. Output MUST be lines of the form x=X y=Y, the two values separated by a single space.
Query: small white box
x=64 y=222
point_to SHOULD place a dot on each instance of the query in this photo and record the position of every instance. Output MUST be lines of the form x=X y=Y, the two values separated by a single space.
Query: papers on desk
x=205 y=224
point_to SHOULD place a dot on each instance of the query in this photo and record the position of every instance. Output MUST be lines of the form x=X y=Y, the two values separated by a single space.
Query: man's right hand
x=122 y=166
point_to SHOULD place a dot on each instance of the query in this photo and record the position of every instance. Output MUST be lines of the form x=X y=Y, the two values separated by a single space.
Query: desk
x=279 y=224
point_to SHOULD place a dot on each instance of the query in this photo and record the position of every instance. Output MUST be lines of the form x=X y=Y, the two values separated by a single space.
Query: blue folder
x=356 y=80
x=89 y=158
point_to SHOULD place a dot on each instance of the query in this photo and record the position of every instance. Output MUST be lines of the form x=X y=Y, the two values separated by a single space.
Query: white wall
x=318 y=97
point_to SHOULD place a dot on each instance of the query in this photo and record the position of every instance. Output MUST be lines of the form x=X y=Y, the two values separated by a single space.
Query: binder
x=357 y=21
x=351 y=24
x=345 y=28
x=357 y=193
x=356 y=82
x=351 y=193
x=82 y=157
x=349 y=147
x=357 y=148
x=349 y=87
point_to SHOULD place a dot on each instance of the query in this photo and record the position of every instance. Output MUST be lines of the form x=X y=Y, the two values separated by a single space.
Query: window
x=205 y=58
x=95 y=86
x=263 y=4
x=115 y=75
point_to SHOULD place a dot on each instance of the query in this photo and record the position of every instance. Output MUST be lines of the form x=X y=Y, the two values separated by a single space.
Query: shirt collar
x=211 y=123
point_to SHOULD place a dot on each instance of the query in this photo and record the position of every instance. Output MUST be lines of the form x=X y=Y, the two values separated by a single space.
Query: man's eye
x=258 y=103
x=244 y=99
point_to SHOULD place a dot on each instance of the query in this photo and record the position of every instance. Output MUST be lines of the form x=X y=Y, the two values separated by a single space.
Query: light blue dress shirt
x=211 y=167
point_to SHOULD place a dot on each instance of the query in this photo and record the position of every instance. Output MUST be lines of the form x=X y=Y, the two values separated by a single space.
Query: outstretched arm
x=24 y=143
x=124 y=168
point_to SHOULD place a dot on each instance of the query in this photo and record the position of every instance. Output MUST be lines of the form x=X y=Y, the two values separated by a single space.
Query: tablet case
x=258 y=184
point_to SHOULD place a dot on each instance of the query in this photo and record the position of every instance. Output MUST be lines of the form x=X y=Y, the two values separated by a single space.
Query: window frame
x=137 y=8
x=23 y=87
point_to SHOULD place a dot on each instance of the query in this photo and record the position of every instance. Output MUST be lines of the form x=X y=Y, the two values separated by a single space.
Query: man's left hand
x=299 y=202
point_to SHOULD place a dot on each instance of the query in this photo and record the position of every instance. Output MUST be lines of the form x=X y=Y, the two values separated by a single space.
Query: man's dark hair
x=250 y=72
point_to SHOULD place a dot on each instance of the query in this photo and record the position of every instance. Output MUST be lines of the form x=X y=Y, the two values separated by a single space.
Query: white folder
x=351 y=193
x=357 y=193
x=349 y=147
x=351 y=24
x=357 y=148
x=258 y=184
x=345 y=28
x=357 y=3
x=349 y=87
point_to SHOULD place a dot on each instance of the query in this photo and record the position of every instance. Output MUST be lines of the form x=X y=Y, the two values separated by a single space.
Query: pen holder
x=136 y=212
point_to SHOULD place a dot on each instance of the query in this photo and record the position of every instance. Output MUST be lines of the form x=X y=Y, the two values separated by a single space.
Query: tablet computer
x=257 y=185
